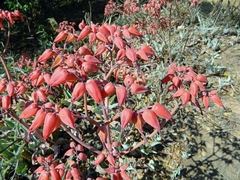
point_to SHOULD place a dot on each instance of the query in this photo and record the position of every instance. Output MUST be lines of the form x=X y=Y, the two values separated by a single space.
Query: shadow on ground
x=215 y=155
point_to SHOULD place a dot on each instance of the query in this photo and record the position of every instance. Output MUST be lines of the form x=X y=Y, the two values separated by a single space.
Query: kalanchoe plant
x=92 y=66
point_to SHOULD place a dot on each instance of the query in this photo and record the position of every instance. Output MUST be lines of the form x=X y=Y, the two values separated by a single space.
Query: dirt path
x=215 y=148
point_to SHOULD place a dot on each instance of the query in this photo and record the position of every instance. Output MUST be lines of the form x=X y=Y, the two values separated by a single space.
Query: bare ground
x=215 y=141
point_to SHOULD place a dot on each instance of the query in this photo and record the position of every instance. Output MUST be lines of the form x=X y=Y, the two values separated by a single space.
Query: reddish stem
x=104 y=110
x=37 y=134
x=85 y=104
x=88 y=119
x=6 y=69
x=79 y=141
x=5 y=49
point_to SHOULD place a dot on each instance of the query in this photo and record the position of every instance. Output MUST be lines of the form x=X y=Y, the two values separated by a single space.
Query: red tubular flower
x=205 y=100
x=178 y=93
x=10 y=89
x=217 y=100
x=101 y=49
x=126 y=116
x=47 y=77
x=84 y=33
x=81 y=25
x=30 y=111
x=34 y=75
x=38 y=120
x=42 y=95
x=201 y=78
x=121 y=94
x=2 y=87
x=111 y=159
x=84 y=51
x=54 y=174
x=61 y=36
x=6 y=102
x=121 y=54
x=94 y=91
x=161 y=111
x=176 y=81
x=185 y=98
x=59 y=76
x=138 y=121
x=70 y=38
x=107 y=90
x=118 y=42
x=90 y=67
x=92 y=37
x=147 y=50
x=21 y=90
x=78 y=91
x=17 y=12
x=75 y=173
x=102 y=37
x=92 y=59
x=67 y=117
x=133 y=31
x=127 y=34
x=166 y=79
x=102 y=133
x=104 y=30
x=138 y=89
x=150 y=118
x=194 y=89
x=131 y=55
x=47 y=54
x=200 y=85
x=51 y=123
x=142 y=55
x=99 y=159
x=40 y=80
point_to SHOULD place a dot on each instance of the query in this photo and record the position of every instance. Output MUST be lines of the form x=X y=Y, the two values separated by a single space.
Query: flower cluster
x=109 y=8
x=10 y=16
x=197 y=88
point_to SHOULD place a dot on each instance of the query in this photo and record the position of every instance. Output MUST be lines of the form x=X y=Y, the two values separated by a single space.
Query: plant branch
x=105 y=111
x=88 y=119
x=37 y=134
x=111 y=120
x=85 y=104
x=5 y=49
x=6 y=68
x=79 y=141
